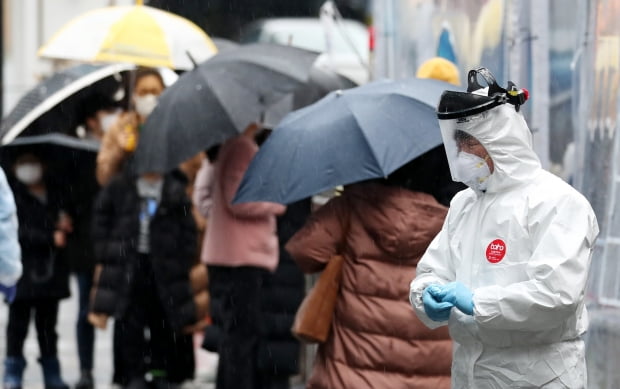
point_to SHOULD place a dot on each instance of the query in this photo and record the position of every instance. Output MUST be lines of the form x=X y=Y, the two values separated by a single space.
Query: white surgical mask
x=107 y=120
x=145 y=104
x=473 y=171
x=29 y=173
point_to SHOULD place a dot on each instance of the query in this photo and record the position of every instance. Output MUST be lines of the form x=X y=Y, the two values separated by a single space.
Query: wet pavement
x=206 y=363
x=67 y=350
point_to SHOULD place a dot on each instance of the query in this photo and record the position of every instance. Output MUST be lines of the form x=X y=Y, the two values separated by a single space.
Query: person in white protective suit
x=508 y=270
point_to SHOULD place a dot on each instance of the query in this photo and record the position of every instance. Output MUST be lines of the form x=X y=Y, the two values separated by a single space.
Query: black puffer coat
x=282 y=292
x=172 y=247
x=46 y=273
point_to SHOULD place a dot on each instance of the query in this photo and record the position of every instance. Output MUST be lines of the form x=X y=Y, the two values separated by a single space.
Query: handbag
x=313 y=319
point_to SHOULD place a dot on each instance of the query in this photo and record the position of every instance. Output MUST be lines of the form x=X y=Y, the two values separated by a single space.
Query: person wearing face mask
x=508 y=270
x=98 y=113
x=122 y=138
x=43 y=230
x=145 y=244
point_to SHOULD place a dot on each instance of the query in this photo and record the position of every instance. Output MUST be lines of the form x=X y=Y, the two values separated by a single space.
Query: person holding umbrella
x=121 y=140
x=43 y=229
x=241 y=245
x=381 y=227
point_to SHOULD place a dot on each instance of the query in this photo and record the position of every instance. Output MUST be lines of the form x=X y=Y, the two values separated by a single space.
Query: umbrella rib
x=372 y=151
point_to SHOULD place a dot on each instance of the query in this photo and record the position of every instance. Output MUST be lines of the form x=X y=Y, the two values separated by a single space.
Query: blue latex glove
x=9 y=292
x=435 y=309
x=457 y=294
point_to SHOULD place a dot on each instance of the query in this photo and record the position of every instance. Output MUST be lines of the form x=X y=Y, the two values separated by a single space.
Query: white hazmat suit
x=523 y=247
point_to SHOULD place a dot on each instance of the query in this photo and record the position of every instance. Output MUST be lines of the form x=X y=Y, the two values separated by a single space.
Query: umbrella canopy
x=223 y=44
x=70 y=165
x=218 y=100
x=51 y=105
x=322 y=81
x=349 y=136
x=138 y=34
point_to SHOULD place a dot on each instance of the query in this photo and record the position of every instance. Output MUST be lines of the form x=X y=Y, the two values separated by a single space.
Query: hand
x=435 y=309
x=457 y=294
x=198 y=326
x=60 y=239
x=127 y=136
x=9 y=292
x=65 y=223
x=98 y=320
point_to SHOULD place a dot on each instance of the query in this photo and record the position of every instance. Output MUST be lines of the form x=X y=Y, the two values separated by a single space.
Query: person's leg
x=45 y=318
x=17 y=328
x=16 y=332
x=119 y=375
x=85 y=331
x=170 y=353
x=270 y=381
x=241 y=307
x=135 y=352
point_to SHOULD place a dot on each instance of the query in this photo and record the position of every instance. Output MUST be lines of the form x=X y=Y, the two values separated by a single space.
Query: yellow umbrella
x=137 y=34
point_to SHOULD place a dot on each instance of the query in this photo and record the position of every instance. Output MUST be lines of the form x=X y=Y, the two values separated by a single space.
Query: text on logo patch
x=496 y=251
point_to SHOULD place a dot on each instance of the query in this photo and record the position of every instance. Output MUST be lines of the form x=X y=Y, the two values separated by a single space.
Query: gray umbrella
x=322 y=81
x=52 y=104
x=224 y=44
x=218 y=100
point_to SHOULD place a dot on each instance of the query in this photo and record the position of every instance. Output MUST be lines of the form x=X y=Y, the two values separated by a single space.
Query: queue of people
x=497 y=248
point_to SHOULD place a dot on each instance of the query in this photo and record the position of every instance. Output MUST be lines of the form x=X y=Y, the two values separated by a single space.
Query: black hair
x=428 y=173
x=142 y=72
x=93 y=103
x=212 y=153
x=461 y=136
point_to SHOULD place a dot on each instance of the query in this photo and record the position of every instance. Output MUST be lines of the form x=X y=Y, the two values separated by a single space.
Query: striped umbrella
x=136 y=34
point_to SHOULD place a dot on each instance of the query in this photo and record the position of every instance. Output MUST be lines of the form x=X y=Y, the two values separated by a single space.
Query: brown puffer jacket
x=376 y=339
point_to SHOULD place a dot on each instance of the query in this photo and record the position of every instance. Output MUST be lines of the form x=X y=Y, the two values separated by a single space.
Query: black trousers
x=240 y=288
x=45 y=318
x=85 y=331
x=150 y=343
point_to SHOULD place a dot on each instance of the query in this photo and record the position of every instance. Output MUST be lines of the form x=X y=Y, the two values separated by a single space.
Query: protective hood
x=491 y=115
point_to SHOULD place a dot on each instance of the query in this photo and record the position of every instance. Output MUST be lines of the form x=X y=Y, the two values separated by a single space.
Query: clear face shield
x=462 y=114
x=467 y=158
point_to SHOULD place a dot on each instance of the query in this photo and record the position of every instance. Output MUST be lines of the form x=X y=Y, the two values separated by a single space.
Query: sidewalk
x=67 y=351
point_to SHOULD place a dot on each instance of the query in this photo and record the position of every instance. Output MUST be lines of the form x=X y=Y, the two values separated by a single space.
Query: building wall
x=29 y=24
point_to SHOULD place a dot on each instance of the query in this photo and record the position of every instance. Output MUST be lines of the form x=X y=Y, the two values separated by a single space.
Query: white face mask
x=473 y=171
x=107 y=120
x=145 y=104
x=29 y=173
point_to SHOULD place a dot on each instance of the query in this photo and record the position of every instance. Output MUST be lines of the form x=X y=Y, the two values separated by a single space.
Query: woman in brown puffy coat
x=382 y=228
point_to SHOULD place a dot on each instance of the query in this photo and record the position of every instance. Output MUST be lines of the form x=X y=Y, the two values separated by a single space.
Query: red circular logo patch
x=496 y=251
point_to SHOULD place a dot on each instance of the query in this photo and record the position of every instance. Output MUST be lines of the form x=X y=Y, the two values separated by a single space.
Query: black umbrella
x=218 y=100
x=51 y=106
x=70 y=162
